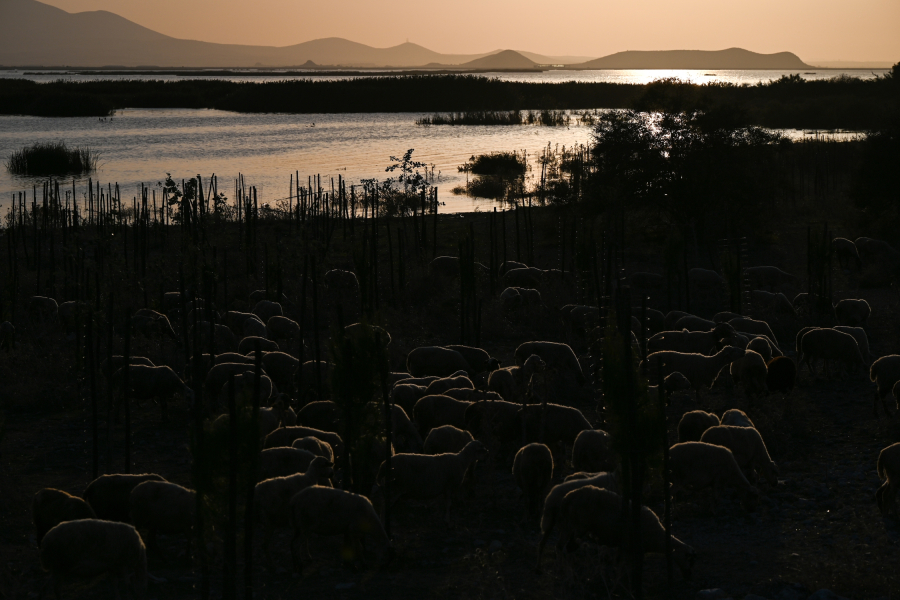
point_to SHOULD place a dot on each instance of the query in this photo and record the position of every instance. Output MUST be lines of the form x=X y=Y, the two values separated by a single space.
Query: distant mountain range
x=37 y=34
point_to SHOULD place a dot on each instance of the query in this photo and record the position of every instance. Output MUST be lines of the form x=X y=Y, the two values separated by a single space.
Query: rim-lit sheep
x=750 y=370
x=70 y=313
x=705 y=280
x=223 y=338
x=693 y=323
x=307 y=377
x=150 y=383
x=328 y=511
x=88 y=548
x=829 y=344
x=266 y=309
x=775 y=304
x=888 y=470
x=254 y=328
x=42 y=309
x=559 y=358
x=283 y=328
x=496 y=420
x=479 y=360
x=406 y=395
x=434 y=411
x=235 y=320
x=689 y=342
x=109 y=367
x=281 y=367
x=592 y=453
x=282 y=462
x=285 y=436
x=512 y=382
x=859 y=334
x=109 y=495
x=748 y=449
x=248 y=344
x=152 y=324
x=768 y=277
x=672 y=317
x=724 y=317
x=885 y=372
x=553 y=423
x=472 y=395
x=315 y=446
x=594 y=512
x=439 y=386
x=322 y=414
x=873 y=251
x=272 y=497
x=736 y=417
x=694 y=423
x=446 y=438
x=50 y=507
x=533 y=470
x=852 y=312
x=163 y=507
x=781 y=375
x=220 y=374
x=423 y=476
x=846 y=252
x=524 y=277
x=761 y=346
x=436 y=360
x=244 y=385
x=747 y=325
x=698 y=466
x=700 y=370
x=520 y=299
x=275 y=416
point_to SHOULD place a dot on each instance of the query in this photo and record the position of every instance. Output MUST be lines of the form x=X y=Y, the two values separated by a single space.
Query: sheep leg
x=879 y=496
x=297 y=561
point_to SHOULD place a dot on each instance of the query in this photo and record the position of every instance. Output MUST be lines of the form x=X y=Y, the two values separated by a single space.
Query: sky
x=851 y=30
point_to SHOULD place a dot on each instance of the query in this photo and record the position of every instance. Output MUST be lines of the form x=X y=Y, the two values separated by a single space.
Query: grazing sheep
x=323 y=415
x=223 y=337
x=761 y=346
x=7 y=336
x=698 y=465
x=829 y=344
x=524 y=277
x=50 y=507
x=235 y=320
x=163 y=507
x=693 y=323
x=852 y=313
x=448 y=266
x=244 y=386
x=479 y=360
x=434 y=411
x=512 y=382
x=724 y=317
x=700 y=370
x=342 y=284
x=275 y=416
x=705 y=280
x=736 y=417
x=171 y=301
x=801 y=303
x=747 y=325
x=554 y=499
x=646 y=281
x=888 y=470
x=266 y=309
x=220 y=374
x=272 y=497
x=149 y=383
x=315 y=446
x=472 y=395
x=772 y=303
x=254 y=328
x=406 y=395
x=781 y=375
x=87 y=548
x=672 y=317
x=423 y=476
x=108 y=368
x=43 y=309
x=592 y=453
x=590 y=511
x=69 y=314
x=406 y=435
x=439 y=386
x=521 y=298
x=533 y=470
x=558 y=358
x=257 y=295
x=282 y=328
x=282 y=462
x=747 y=446
x=307 y=376
x=885 y=372
x=285 y=436
x=871 y=251
x=328 y=511
x=846 y=252
x=423 y=381
x=435 y=360
x=108 y=495
x=694 y=423
x=495 y=419
x=446 y=438
x=509 y=265
x=553 y=423
x=248 y=344
x=675 y=382
x=656 y=321
x=152 y=324
x=206 y=364
x=690 y=342
x=769 y=278
x=859 y=334
x=750 y=369
x=281 y=367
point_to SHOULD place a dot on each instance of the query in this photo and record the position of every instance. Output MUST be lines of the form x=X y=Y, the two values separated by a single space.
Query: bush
x=51 y=158
x=503 y=164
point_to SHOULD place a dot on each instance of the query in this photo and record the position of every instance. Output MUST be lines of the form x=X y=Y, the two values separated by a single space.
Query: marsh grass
x=486 y=117
x=52 y=158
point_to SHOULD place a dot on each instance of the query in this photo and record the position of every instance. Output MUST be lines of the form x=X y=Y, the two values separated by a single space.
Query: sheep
x=698 y=465
x=554 y=499
x=50 y=507
x=888 y=467
x=472 y=395
x=148 y=383
x=736 y=417
x=219 y=375
x=171 y=301
x=801 y=303
x=724 y=317
x=592 y=453
x=423 y=381
x=558 y=357
x=328 y=511
x=280 y=327
x=852 y=313
x=685 y=341
x=772 y=304
x=254 y=328
x=434 y=411
x=747 y=446
x=406 y=395
x=281 y=462
x=108 y=495
x=582 y=318
x=322 y=414
x=7 y=336
x=750 y=369
x=656 y=321
x=43 y=309
x=435 y=360
x=235 y=320
x=672 y=317
x=524 y=277
x=675 y=382
x=705 y=280
x=244 y=386
x=275 y=416
x=69 y=314
x=151 y=324
x=447 y=266
x=596 y=512
x=223 y=338
x=403 y=430
x=285 y=436
x=423 y=476
x=553 y=423
x=495 y=419
x=859 y=334
x=700 y=370
x=87 y=548
x=694 y=423
x=314 y=446
x=266 y=309
x=829 y=344
x=248 y=345
x=846 y=252
x=781 y=375
x=511 y=299
x=509 y=265
x=747 y=325
x=871 y=250
x=769 y=277
x=446 y=438
x=533 y=470
x=885 y=373
x=281 y=367
x=340 y=281
x=272 y=497
x=479 y=360
x=109 y=367
x=314 y=373
x=512 y=382
x=440 y=386
x=163 y=507
x=761 y=346
x=693 y=323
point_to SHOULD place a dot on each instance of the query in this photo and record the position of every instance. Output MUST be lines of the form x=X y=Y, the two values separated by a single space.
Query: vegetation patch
x=52 y=158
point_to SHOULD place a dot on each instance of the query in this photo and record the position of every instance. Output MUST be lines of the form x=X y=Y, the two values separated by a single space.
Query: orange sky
x=856 y=30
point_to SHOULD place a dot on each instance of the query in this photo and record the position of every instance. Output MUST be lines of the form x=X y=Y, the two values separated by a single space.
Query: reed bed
x=52 y=158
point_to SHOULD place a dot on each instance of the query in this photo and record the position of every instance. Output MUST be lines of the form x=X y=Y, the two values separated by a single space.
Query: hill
x=732 y=58
x=505 y=59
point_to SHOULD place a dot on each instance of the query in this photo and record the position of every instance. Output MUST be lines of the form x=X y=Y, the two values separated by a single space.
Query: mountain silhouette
x=732 y=58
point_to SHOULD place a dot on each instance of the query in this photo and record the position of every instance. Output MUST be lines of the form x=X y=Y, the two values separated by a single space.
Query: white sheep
x=846 y=252
x=479 y=360
x=559 y=358
x=315 y=446
x=885 y=372
x=285 y=436
x=748 y=449
x=872 y=251
x=694 y=423
x=772 y=303
x=472 y=395
x=553 y=423
x=592 y=452
x=436 y=360
x=87 y=548
x=254 y=328
x=736 y=417
x=150 y=383
x=700 y=370
x=281 y=367
x=406 y=395
x=50 y=507
x=524 y=277
x=109 y=367
x=859 y=334
x=163 y=507
x=434 y=411
x=686 y=341
x=248 y=344
x=747 y=325
x=705 y=280
x=512 y=382
x=761 y=346
x=220 y=374
x=852 y=312
x=439 y=386
x=888 y=470
x=750 y=370
x=223 y=338
x=446 y=438
x=42 y=309
x=693 y=323
x=496 y=420
x=829 y=344
x=281 y=462
x=724 y=317
x=109 y=495
x=698 y=466
x=533 y=470
x=672 y=317
x=266 y=309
